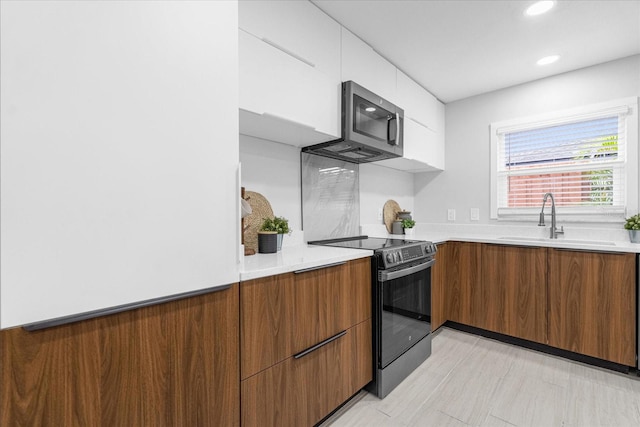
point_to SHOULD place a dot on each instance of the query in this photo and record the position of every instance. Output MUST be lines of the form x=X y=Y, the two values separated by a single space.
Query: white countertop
x=585 y=239
x=298 y=257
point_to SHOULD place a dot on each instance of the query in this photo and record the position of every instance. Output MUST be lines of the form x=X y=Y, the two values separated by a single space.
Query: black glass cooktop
x=363 y=242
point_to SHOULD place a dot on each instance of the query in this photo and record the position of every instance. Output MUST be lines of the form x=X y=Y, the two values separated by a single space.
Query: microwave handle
x=397 y=129
x=397 y=119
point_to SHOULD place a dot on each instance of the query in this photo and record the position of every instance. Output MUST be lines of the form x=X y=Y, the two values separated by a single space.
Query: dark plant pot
x=267 y=242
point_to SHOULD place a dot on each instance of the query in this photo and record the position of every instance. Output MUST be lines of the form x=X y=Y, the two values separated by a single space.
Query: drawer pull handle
x=320 y=344
x=288 y=52
x=320 y=267
x=593 y=251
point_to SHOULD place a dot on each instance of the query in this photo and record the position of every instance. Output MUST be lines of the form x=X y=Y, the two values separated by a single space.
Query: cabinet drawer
x=286 y=314
x=302 y=391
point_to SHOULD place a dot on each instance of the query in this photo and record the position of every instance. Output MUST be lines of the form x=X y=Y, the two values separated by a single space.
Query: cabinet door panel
x=592 y=306
x=439 y=287
x=364 y=66
x=159 y=365
x=297 y=26
x=266 y=322
x=516 y=291
x=275 y=83
x=465 y=298
x=320 y=310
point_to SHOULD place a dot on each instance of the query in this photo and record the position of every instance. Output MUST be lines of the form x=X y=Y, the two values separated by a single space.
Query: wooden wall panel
x=171 y=364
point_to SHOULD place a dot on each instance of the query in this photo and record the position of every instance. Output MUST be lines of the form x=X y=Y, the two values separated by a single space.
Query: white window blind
x=582 y=160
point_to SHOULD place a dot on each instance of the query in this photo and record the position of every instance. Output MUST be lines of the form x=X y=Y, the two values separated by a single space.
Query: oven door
x=404 y=308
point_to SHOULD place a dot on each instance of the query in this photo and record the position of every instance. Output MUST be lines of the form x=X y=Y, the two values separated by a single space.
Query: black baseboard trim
x=543 y=348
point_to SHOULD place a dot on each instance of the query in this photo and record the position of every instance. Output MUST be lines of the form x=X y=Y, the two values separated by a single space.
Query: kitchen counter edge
x=294 y=258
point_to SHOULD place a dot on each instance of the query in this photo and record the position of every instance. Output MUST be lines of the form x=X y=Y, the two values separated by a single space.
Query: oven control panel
x=399 y=255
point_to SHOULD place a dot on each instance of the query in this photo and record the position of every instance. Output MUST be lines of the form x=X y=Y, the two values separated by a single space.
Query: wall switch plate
x=451 y=214
x=474 y=214
x=379 y=214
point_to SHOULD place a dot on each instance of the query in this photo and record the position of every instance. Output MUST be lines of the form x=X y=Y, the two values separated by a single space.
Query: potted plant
x=633 y=225
x=276 y=227
x=407 y=225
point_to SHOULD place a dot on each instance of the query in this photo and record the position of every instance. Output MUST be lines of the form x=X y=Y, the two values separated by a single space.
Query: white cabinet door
x=423 y=128
x=119 y=154
x=422 y=152
x=284 y=94
x=296 y=27
x=364 y=66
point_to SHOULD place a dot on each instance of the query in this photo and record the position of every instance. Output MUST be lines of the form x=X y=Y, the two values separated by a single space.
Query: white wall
x=379 y=184
x=465 y=183
x=273 y=169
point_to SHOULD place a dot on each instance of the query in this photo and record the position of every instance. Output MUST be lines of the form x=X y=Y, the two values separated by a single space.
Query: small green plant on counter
x=278 y=224
x=633 y=223
x=408 y=223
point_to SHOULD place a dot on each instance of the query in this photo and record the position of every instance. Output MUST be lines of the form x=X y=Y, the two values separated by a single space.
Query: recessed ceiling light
x=548 y=60
x=540 y=7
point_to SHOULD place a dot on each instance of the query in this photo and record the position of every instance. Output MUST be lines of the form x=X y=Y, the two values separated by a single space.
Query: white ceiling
x=456 y=49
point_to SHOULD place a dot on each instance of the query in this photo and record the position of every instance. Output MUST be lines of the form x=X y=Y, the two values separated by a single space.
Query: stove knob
x=396 y=256
x=389 y=257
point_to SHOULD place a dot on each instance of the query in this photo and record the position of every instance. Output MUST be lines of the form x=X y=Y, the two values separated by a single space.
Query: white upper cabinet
x=423 y=128
x=282 y=98
x=366 y=67
x=119 y=154
x=298 y=28
x=289 y=72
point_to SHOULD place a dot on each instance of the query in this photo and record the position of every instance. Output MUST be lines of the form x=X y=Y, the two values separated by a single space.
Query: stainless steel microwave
x=372 y=128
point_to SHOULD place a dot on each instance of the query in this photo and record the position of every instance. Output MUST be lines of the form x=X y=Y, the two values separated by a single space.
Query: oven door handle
x=391 y=275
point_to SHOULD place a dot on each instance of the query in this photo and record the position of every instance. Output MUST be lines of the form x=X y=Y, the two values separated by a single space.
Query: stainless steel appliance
x=401 y=276
x=372 y=128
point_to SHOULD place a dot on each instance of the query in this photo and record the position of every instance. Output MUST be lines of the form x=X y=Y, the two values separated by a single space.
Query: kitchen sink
x=541 y=239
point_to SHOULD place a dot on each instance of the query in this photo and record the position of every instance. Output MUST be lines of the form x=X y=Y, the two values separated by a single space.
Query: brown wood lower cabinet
x=465 y=303
x=438 y=287
x=172 y=364
x=286 y=314
x=514 y=291
x=592 y=306
x=300 y=392
x=584 y=302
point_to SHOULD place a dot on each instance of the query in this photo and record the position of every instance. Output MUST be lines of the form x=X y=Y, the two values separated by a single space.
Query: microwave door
x=370 y=120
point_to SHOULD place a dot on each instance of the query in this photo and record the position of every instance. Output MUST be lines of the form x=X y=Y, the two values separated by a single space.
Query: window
x=586 y=157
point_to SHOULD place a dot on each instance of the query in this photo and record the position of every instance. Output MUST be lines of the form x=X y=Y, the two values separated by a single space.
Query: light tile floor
x=474 y=381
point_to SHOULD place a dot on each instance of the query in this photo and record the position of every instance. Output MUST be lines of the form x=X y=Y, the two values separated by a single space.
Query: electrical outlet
x=451 y=214
x=379 y=214
x=474 y=214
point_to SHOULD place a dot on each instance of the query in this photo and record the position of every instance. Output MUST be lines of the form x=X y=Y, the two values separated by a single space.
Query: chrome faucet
x=554 y=231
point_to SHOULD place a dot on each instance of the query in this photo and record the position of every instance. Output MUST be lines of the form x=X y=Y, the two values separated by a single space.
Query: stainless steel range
x=401 y=273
